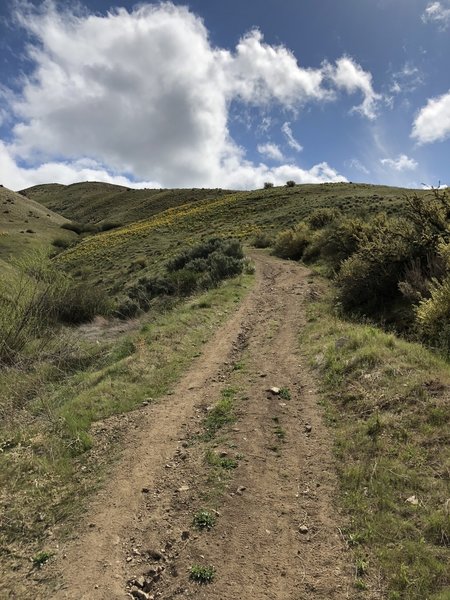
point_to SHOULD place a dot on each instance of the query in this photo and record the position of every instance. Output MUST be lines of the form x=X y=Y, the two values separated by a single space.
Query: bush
x=62 y=243
x=262 y=240
x=368 y=280
x=268 y=185
x=433 y=315
x=290 y=183
x=292 y=243
x=342 y=240
x=198 y=268
x=321 y=217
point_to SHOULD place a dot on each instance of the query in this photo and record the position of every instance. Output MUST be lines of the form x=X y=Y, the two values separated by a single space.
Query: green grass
x=115 y=256
x=204 y=519
x=220 y=415
x=48 y=407
x=202 y=574
x=387 y=401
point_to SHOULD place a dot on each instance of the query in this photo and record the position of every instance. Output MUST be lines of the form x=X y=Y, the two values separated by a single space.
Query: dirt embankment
x=277 y=529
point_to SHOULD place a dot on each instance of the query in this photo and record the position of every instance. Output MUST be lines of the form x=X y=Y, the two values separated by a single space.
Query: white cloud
x=18 y=178
x=436 y=12
x=432 y=123
x=293 y=143
x=407 y=80
x=272 y=151
x=350 y=76
x=145 y=93
x=354 y=163
x=401 y=163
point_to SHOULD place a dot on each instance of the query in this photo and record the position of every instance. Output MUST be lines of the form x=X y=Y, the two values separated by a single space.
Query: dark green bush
x=290 y=183
x=262 y=240
x=341 y=240
x=268 y=185
x=195 y=269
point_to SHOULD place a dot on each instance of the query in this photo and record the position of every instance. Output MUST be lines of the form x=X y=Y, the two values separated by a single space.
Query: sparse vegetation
x=202 y=574
x=204 y=519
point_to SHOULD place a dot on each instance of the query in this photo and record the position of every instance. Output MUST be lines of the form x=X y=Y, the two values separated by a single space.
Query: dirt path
x=141 y=523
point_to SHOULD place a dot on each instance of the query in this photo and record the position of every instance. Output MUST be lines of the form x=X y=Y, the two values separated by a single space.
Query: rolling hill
x=97 y=203
x=25 y=225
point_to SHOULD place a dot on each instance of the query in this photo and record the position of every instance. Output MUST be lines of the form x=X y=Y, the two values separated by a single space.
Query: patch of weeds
x=221 y=462
x=222 y=414
x=361 y=567
x=360 y=584
x=239 y=366
x=202 y=574
x=280 y=432
x=285 y=394
x=204 y=519
x=41 y=558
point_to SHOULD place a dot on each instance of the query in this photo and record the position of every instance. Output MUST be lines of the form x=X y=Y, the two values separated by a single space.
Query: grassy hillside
x=116 y=258
x=25 y=225
x=94 y=202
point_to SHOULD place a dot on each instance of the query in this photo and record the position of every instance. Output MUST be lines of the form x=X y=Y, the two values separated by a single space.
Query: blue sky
x=225 y=94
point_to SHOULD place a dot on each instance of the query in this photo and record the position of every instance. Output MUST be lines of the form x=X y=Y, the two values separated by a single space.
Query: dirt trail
x=285 y=466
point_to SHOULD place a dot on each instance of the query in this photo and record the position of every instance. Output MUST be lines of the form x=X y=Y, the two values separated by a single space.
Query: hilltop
x=97 y=203
x=25 y=225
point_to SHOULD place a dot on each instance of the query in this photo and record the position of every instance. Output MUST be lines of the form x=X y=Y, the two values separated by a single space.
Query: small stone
x=139 y=594
x=183 y=488
x=145 y=403
x=241 y=489
x=129 y=558
x=91 y=525
x=303 y=529
x=308 y=428
x=274 y=390
x=223 y=454
x=412 y=500
x=140 y=581
x=263 y=374
x=145 y=490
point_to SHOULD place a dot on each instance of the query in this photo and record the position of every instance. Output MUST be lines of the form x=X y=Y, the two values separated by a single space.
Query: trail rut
x=284 y=483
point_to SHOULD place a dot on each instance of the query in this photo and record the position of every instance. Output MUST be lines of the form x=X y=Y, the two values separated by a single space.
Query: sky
x=225 y=94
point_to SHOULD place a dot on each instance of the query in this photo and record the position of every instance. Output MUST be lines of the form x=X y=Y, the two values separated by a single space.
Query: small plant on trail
x=285 y=393
x=204 y=519
x=202 y=574
x=280 y=432
x=222 y=462
x=41 y=558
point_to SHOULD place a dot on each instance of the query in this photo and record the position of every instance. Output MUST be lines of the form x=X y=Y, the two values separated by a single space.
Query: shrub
x=198 y=268
x=341 y=240
x=62 y=243
x=433 y=315
x=290 y=183
x=369 y=278
x=262 y=240
x=321 y=217
x=268 y=185
x=292 y=243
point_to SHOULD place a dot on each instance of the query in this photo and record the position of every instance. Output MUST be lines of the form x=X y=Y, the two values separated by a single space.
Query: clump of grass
x=41 y=558
x=285 y=394
x=204 y=519
x=221 y=462
x=202 y=574
x=222 y=414
x=280 y=432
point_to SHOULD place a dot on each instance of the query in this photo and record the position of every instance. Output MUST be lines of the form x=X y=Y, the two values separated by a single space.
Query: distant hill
x=97 y=203
x=25 y=224
x=118 y=257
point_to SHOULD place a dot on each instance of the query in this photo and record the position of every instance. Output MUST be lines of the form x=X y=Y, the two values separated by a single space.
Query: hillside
x=95 y=202
x=142 y=247
x=25 y=225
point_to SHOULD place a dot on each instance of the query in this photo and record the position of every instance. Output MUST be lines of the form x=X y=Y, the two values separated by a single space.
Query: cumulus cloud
x=436 y=12
x=432 y=123
x=351 y=77
x=293 y=143
x=401 y=163
x=147 y=94
x=272 y=151
x=19 y=177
